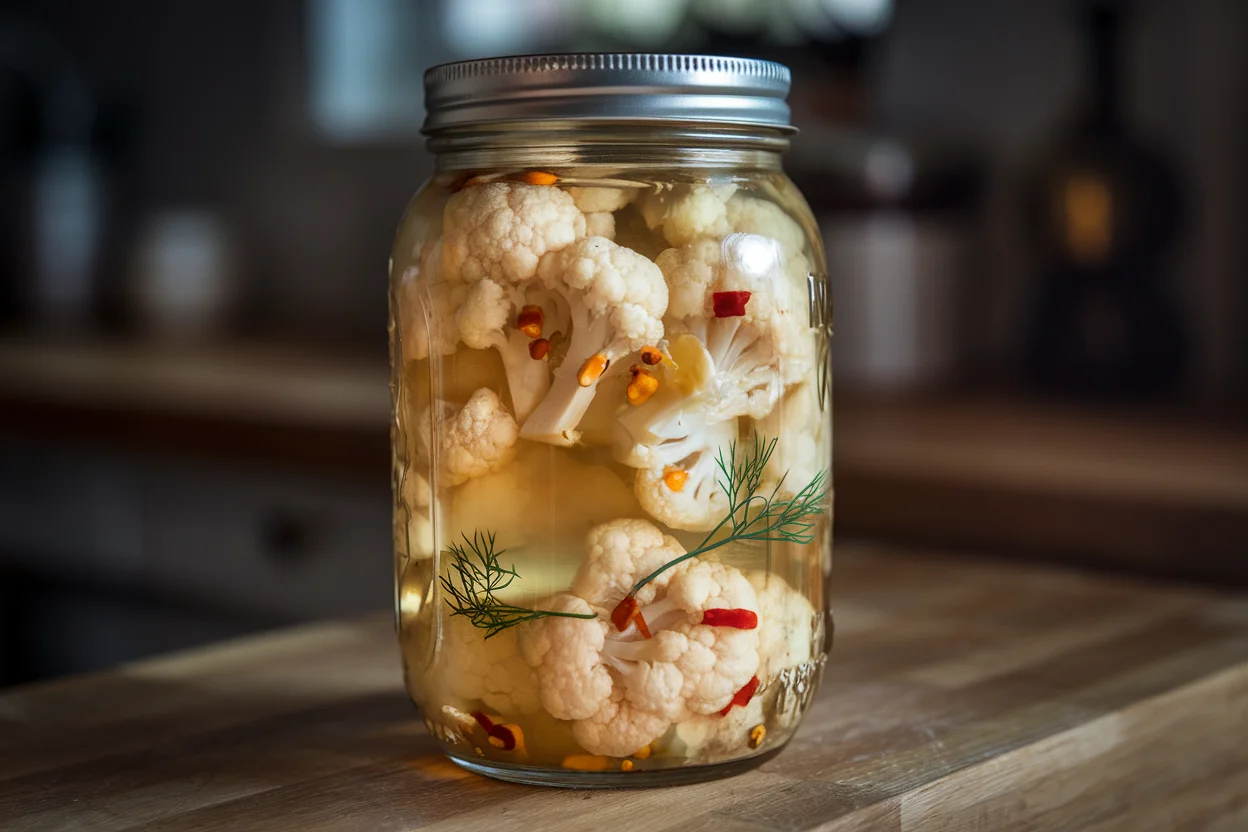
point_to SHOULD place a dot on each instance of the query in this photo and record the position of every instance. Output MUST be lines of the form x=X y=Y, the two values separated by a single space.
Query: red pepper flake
x=741 y=619
x=729 y=304
x=530 y=321
x=743 y=696
x=641 y=624
x=539 y=349
x=507 y=737
x=484 y=721
x=626 y=612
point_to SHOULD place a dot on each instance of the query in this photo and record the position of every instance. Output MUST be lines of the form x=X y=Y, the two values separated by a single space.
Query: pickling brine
x=612 y=445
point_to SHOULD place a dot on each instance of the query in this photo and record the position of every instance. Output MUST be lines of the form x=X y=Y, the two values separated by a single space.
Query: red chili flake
x=624 y=612
x=504 y=737
x=729 y=304
x=539 y=349
x=738 y=618
x=530 y=321
x=641 y=624
x=743 y=696
x=484 y=721
x=628 y=611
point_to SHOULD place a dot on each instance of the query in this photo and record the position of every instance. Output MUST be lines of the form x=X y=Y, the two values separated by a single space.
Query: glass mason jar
x=612 y=424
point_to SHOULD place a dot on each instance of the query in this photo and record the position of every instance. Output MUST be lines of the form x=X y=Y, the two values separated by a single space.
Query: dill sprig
x=752 y=514
x=477 y=576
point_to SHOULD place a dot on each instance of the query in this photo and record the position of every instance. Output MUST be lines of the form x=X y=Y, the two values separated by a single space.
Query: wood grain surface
x=960 y=695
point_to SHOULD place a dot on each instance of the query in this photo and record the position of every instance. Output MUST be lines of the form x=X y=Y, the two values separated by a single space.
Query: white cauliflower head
x=500 y=230
x=762 y=344
x=688 y=212
x=786 y=625
x=615 y=300
x=681 y=487
x=623 y=689
x=785 y=639
x=487 y=317
x=797 y=425
x=421 y=298
x=759 y=216
x=618 y=554
x=472 y=668
x=567 y=655
x=600 y=225
x=597 y=200
x=414 y=491
x=474 y=440
x=676 y=443
x=709 y=739
x=494 y=235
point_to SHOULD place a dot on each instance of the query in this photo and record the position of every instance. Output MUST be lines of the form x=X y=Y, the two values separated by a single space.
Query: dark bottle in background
x=1103 y=211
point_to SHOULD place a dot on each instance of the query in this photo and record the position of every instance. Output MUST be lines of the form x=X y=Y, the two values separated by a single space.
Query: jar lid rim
x=608 y=86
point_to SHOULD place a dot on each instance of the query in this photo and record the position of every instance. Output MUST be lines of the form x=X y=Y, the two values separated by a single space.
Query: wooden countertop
x=960 y=695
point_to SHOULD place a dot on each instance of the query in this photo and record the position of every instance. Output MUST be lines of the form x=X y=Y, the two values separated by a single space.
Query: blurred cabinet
x=129 y=554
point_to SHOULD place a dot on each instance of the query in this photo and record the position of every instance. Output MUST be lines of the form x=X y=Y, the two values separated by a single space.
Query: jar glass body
x=597 y=358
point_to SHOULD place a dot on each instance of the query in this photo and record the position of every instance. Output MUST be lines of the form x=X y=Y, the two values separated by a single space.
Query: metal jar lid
x=608 y=87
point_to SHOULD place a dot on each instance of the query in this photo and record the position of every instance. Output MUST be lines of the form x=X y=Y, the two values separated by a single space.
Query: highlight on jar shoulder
x=611 y=428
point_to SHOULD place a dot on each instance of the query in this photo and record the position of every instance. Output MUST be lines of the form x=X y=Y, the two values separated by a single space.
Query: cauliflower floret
x=601 y=200
x=567 y=655
x=785 y=639
x=688 y=212
x=618 y=555
x=500 y=230
x=755 y=354
x=475 y=439
x=681 y=486
x=785 y=624
x=412 y=315
x=797 y=425
x=676 y=443
x=414 y=490
x=759 y=216
x=472 y=668
x=624 y=689
x=708 y=739
x=616 y=299
x=486 y=319
x=717 y=660
x=600 y=224
x=619 y=727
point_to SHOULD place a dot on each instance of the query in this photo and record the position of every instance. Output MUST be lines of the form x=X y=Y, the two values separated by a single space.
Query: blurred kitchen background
x=1035 y=214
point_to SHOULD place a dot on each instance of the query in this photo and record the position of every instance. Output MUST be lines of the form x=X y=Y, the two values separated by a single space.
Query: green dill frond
x=476 y=576
x=752 y=514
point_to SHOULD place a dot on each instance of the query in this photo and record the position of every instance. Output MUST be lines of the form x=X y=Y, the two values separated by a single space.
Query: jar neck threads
x=578 y=143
